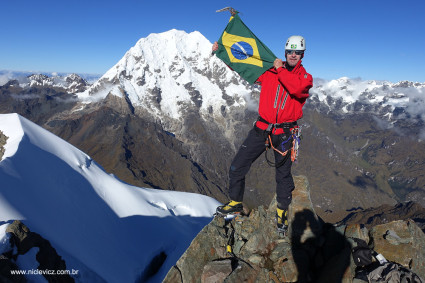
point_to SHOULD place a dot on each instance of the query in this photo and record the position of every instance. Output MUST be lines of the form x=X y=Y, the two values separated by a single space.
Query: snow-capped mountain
x=6 y=76
x=108 y=230
x=350 y=91
x=169 y=72
x=72 y=83
x=393 y=105
x=379 y=97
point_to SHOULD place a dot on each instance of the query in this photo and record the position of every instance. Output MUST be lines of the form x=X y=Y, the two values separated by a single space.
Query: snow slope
x=97 y=223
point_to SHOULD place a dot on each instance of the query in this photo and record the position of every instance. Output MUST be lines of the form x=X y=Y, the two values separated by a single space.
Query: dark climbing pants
x=250 y=150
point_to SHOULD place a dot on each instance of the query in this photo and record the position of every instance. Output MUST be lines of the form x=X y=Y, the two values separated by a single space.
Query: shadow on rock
x=320 y=252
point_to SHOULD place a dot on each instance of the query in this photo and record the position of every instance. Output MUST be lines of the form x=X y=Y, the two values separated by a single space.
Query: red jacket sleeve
x=260 y=79
x=298 y=82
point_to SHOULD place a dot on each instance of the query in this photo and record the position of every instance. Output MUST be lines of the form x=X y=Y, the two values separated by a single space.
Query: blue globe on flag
x=242 y=50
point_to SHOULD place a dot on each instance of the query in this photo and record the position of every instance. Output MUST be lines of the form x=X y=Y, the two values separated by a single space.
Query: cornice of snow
x=21 y=133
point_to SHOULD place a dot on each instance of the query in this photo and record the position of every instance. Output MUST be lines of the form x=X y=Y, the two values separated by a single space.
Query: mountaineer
x=284 y=90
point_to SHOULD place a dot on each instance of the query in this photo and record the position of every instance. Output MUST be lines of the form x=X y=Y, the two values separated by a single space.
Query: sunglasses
x=297 y=52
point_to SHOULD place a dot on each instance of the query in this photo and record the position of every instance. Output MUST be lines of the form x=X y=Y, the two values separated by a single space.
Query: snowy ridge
x=99 y=225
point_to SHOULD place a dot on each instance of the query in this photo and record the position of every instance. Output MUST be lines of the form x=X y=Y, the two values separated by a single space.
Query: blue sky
x=368 y=39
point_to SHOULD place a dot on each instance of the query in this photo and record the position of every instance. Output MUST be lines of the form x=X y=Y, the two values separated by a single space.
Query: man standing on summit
x=284 y=90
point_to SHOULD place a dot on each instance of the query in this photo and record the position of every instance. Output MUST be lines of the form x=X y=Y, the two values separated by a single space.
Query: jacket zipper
x=277 y=111
x=277 y=101
x=277 y=96
x=284 y=101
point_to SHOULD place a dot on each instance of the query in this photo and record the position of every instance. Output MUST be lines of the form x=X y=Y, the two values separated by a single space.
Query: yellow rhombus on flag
x=242 y=51
x=248 y=52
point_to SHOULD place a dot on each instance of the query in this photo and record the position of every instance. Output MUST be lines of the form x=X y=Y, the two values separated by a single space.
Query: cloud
x=5 y=77
x=24 y=96
x=67 y=100
x=251 y=101
x=382 y=124
x=416 y=105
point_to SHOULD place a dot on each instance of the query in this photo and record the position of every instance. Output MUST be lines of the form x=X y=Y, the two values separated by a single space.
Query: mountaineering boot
x=232 y=207
x=282 y=220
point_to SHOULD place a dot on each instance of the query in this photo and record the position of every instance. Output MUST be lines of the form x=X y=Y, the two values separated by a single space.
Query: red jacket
x=283 y=94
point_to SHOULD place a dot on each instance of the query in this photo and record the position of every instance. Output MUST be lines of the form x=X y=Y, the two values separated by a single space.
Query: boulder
x=402 y=242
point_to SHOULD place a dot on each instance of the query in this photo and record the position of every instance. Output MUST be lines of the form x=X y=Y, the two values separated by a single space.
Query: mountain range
x=171 y=116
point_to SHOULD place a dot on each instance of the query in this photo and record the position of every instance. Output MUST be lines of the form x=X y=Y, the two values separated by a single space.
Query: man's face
x=292 y=58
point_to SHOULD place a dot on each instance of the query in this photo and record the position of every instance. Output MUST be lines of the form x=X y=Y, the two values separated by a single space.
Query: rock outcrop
x=312 y=250
x=3 y=139
x=387 y=213
x=22 y=240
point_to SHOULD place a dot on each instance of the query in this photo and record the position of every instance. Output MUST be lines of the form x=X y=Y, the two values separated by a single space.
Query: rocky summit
x=312 y=250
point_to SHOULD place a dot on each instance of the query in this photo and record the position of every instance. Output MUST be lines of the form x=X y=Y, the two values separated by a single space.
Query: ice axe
x=232 y=11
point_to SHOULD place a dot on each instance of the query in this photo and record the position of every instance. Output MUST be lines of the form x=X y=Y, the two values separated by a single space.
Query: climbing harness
x=284 y=147
x=296 y=135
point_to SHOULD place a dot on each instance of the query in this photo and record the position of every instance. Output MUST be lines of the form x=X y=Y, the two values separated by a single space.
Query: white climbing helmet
x=295 y=42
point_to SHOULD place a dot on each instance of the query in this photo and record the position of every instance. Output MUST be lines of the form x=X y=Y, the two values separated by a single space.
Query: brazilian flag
x=242 y=51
